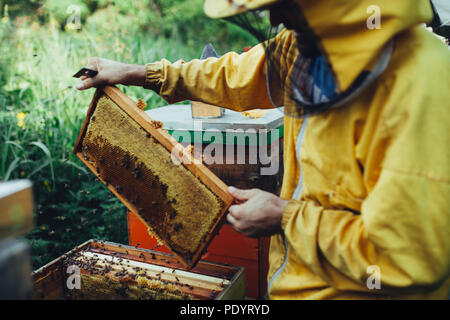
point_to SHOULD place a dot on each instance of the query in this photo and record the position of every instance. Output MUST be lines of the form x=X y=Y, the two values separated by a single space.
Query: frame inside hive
x=113 y=271
x=182 y=205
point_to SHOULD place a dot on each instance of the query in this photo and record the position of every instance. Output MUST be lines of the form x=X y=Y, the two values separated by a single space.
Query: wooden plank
x=252 y=274
x=16 y=208
x=163 y=259
x=49 y=286
x=90 y=111
x=203 y=110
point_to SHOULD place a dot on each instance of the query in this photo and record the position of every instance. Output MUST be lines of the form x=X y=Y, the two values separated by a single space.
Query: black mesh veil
x=257 y=24
x=286 y=85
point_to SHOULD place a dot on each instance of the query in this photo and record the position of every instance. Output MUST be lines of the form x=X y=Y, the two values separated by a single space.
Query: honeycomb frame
x=187 y=245
x=115 y=271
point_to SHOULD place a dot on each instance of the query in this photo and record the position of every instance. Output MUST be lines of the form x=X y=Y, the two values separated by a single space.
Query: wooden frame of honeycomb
x=182 y=204
x=111 y=271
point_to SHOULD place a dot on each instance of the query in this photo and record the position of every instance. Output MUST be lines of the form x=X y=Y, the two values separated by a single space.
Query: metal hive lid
x=178 y=117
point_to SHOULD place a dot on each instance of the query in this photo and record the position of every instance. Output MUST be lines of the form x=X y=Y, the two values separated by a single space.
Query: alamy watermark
x=374 y=20
x=374 y=280
x=74 y=279
x=74 y=20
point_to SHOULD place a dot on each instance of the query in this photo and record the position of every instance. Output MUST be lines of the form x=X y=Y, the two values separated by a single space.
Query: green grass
x=35 y=80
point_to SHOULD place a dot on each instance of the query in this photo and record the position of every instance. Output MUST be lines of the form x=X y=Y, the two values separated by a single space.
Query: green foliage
x=83 y=211
x=20 y=7
x=186 y=18
x=41 y=113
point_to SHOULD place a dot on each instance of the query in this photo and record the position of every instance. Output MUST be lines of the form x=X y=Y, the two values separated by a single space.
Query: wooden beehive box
x=16 y=208
x=113 y=271
x=183 y=205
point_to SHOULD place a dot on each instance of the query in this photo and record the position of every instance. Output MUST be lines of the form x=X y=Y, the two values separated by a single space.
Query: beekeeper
x=364 y=207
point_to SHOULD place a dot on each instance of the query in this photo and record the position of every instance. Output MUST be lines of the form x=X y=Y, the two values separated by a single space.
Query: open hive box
x=114 y=271
x=181 y=204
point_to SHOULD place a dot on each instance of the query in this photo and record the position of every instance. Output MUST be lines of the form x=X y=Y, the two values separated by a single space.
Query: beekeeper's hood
x=352 y=33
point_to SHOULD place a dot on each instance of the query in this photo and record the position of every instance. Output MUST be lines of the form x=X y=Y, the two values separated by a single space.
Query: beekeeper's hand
x=258 y=214
x=111 y=73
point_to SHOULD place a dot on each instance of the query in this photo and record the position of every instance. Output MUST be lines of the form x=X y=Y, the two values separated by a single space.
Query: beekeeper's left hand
x=258 y=214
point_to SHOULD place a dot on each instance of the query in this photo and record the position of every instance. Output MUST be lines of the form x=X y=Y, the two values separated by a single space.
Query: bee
x=172 y=214
x=164 y=189
x=136 y=172
x=125 y=163
x=177 y=226
x=157 y=124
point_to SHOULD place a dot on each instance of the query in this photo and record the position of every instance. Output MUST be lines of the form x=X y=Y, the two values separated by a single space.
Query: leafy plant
x=41 y=113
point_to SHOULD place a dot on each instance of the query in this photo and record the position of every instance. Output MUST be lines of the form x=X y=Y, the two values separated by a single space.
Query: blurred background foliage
x=180 y=18
x=41 y=114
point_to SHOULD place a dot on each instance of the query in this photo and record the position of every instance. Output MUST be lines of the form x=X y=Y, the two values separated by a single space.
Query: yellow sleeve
x=403 y=230
x=233 y=81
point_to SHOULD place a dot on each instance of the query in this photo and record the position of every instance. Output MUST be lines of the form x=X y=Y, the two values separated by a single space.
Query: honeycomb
x=104 y=280
x=170 y=199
